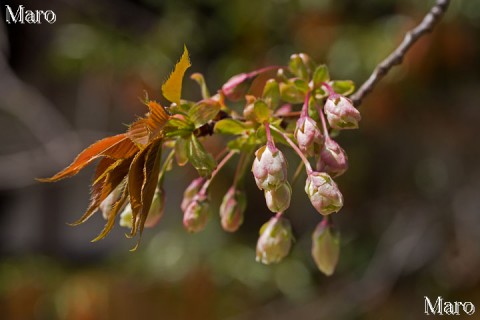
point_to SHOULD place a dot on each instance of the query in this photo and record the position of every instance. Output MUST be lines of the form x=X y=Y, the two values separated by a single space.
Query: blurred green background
x=411 y=222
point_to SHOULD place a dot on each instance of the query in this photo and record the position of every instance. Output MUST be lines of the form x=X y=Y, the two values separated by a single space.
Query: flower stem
x=166 y=163
x=215 y=172
x=308 y=167
x=305 y=105
x=324 y=123
x=270 y=142
x=331 y=93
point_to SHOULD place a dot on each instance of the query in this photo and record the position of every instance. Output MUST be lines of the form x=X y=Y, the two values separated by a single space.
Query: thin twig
x=396 y=57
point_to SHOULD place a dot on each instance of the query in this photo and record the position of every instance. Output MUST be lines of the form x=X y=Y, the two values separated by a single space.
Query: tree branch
x=396 y=57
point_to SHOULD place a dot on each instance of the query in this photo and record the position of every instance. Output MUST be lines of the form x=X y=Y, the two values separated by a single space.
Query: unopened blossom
x=275 y=240
x=307 y=134
x=191 y=191
x=232 y=209
x=269 y=168
x=278 y=200
x=196 y=214
x=333 y=158
x=341 y=113
x=325 y=248
x=323 y=193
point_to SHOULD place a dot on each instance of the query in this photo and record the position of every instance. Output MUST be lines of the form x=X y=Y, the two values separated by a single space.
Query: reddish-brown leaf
x=105 y=185
x=151 y=171
x=113 y=215
x=138 y=132
x=157 y=118
x=135 y=182
x=110 y=146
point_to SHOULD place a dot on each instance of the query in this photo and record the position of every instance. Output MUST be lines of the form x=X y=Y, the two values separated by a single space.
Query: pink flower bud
x=269 y=168
x=232 y=208
x=341 y=113
x=333 y=159
x=275 y=241
x=196 y=215
x=191 y=191
x=278 y=200
x=307 y=134
x=325 y=248
x=156 y=208
x=237 y=86
x=323 y=193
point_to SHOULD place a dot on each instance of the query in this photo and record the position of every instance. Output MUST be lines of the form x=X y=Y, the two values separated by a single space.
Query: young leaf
x=198 y=77
x=320 y=75
x=204 y=111
x=117 y=147
x=181 y=152
x=271 y=94
x=172 y=88
x=290 y=93
x=230 y=126
x=261 y=110
x=343 y=87
x=199 y=157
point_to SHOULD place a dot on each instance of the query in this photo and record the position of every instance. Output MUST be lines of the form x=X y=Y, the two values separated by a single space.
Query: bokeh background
x=411 y=222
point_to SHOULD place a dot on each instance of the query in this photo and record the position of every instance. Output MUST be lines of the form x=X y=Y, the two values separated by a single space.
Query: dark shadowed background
x=411 y=221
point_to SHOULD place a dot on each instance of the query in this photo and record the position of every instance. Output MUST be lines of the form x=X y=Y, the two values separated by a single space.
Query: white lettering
x=434 y=309
x=17 y=17
x=29 y=16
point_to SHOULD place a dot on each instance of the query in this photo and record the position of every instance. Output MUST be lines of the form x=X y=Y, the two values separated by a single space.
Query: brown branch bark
x=396 y=57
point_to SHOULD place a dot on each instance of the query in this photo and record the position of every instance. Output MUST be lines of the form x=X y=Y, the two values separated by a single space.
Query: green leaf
x=243 y=143
x=180 y=123
x=271 y=94
x=261 y=110
x=172 y=88
x=230 y=126
x=198 y=77
x=290 y=93
x=320 y=75
x=181 y=152
x=343 y=87
x=298 y=67
x=199 y=157
x=204 y=111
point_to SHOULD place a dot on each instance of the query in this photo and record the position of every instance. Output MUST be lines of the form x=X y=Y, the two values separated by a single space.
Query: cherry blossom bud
x=107 y=204
x=341 y=113
x=232 y=208
x=126 y=217
x=278 y=200
x=307 y=134
x=333 y=159
x=191 y=191
x=196 y=214
x=269 y=168
x=156 y=209
x=323 y=193
x=325 y=248
x=275 y=241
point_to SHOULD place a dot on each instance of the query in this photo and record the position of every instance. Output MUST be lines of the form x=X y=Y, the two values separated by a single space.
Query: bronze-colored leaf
x=151 y=171
x=113 y=215
x=86 y=157
x=123 y=149
x=138 y=132
x=135 y=182
x=156 y=119
x=104 y=186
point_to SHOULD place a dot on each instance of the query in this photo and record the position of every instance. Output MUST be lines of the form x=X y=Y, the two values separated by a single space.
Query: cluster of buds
x=296 y=106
